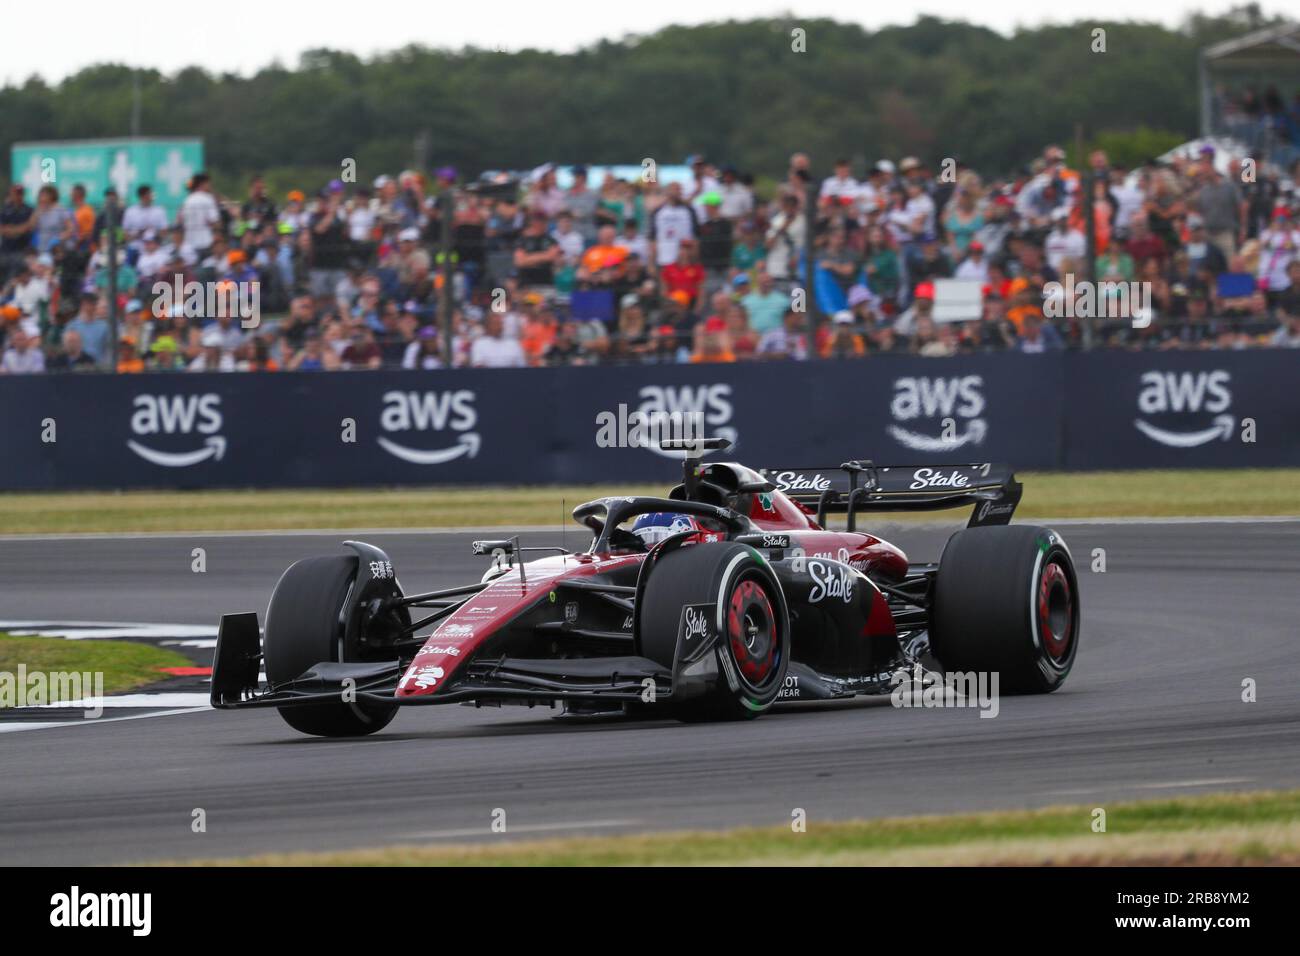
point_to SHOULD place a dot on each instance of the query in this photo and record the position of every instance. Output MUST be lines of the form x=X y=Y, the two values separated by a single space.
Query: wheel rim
x=751 y=632
x=1055 y=611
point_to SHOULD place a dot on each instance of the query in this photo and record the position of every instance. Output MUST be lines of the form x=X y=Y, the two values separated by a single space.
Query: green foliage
x=735 y=91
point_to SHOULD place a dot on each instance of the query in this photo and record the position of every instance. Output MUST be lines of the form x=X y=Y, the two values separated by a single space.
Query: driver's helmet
x=655 y=526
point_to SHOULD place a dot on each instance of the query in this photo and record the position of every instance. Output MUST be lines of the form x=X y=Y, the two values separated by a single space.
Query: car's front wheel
x=723 y=592
x=304 y=626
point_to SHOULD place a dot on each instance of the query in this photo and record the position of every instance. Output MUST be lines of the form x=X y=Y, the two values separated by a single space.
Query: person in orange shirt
x=713 y=344
x=1022 y=303
x=539 y=333
x=604 y=255
x=128 y=359
x=82 y=213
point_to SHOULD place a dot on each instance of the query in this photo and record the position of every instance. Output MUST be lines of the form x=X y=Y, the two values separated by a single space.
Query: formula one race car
x=719 y=601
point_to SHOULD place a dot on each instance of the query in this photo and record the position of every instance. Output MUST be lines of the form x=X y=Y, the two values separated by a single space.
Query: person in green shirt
x=748 y=250
x=1114 y=265
x=765 y=305
x=881 y=264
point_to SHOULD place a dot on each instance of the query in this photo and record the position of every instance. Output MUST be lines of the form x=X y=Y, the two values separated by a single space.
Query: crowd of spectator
x=708 y=268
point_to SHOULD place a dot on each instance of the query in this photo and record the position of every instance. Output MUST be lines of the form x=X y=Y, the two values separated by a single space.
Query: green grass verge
x=124 y=664
x=1058 y=495
x=1225 y=828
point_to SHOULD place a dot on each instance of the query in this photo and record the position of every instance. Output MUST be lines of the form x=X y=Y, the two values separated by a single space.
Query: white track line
x=17 y=725
x=512 y=829
x=558 y=529
x=107 y=630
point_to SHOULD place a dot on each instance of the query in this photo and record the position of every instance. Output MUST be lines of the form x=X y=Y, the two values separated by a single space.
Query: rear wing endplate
x=862 y=486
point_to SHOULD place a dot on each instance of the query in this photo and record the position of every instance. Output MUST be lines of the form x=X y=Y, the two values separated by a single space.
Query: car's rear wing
x=862 y=486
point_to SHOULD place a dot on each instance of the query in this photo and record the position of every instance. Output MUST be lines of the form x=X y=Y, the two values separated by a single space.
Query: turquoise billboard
x=97 y=164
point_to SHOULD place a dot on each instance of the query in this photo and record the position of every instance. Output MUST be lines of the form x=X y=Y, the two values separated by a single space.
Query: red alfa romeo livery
x=727 y=597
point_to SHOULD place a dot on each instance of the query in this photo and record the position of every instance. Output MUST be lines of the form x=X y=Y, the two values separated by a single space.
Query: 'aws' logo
x=430 y=412
x=1186 y=393
x=158 y=415
x=708 y=403
x=944 y=401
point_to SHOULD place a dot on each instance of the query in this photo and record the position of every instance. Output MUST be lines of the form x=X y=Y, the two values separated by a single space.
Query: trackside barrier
x=533 y=426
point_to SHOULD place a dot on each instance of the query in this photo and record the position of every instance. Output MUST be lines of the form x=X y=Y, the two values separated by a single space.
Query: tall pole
x=446 y=208
x=135 y=104
x=110 y=224
x=1089 y=228
x=809 y=261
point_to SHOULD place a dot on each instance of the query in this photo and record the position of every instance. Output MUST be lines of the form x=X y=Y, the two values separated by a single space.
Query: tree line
x=739 y=92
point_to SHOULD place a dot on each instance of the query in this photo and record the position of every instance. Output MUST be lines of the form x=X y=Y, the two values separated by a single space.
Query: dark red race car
x=725 y=598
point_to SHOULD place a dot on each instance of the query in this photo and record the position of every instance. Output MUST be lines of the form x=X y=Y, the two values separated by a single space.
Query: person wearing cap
x=424 y=351
x=712 y=342
x=842 y=339
x=702 y=182
x=974 y=267
x=294 y=217
x=129 y=360
x=715 y=240
x=1037 y=335
x=153 y=258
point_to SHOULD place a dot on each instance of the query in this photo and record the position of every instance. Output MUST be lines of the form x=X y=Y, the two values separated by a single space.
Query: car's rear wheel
x=731 y=591
x=304 y=626
x=1006 y=599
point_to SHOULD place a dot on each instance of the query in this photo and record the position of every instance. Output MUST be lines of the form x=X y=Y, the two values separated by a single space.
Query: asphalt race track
x=1183 y=614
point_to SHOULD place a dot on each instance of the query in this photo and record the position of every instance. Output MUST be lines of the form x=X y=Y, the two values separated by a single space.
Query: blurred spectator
x=699 y=268
x=199 y=215
x=493 y=349
x=23 y=356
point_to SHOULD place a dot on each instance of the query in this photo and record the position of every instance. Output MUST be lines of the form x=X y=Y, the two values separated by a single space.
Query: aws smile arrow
x=467 y=444
x=975 y=432
x=214 y=448
x=1222 y=429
